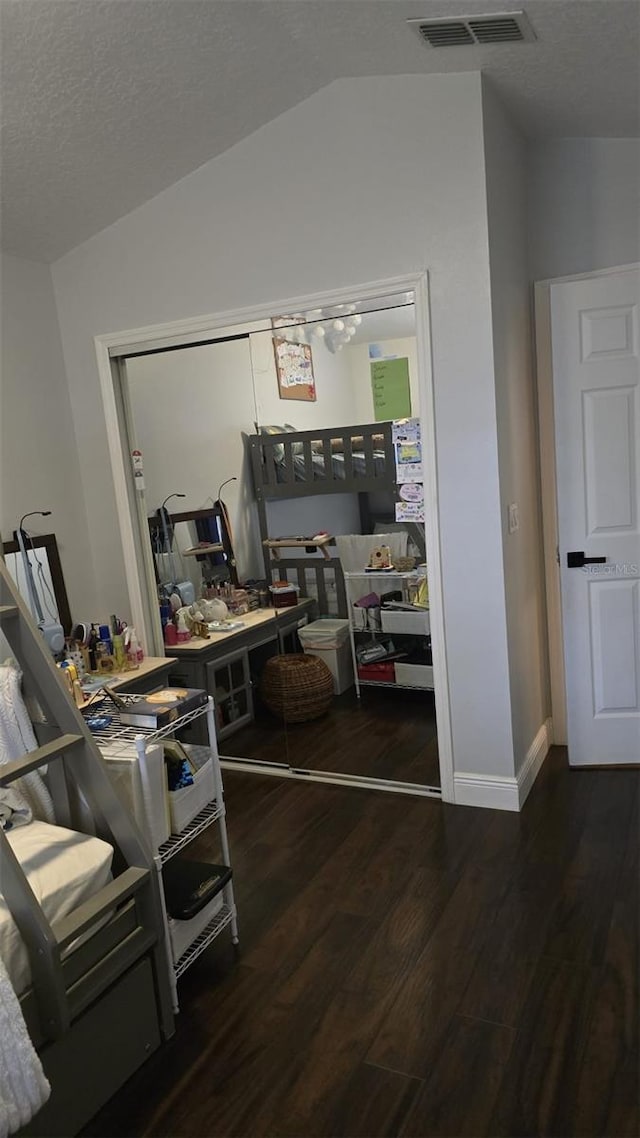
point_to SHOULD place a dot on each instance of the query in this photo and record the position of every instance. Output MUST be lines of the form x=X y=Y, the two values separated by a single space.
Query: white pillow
x=64 y=869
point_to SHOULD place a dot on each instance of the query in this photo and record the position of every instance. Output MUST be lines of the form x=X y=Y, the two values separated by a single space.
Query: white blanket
x=16 y=738
x=13 y=810
x=23 y=1086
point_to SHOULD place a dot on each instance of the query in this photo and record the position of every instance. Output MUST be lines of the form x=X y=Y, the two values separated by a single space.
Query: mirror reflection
x=47 y=596
x=326 y=662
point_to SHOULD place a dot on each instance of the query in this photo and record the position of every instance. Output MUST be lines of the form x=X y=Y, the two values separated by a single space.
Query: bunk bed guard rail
x=335 y=460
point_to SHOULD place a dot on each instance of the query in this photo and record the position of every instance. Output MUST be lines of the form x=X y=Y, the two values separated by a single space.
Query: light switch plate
x=514 y=517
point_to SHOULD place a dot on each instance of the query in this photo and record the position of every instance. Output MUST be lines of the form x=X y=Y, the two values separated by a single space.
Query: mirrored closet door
x=282 y=479
x=331 y=387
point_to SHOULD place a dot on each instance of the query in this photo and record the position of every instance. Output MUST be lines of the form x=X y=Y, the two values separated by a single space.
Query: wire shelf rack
x=223 y=917
x=209 y=814
x=118 y=732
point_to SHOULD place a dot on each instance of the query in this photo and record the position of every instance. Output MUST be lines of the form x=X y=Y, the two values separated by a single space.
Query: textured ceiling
x=107 y=102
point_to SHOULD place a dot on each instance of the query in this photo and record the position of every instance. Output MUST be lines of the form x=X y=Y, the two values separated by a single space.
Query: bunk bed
x=81 y=924
x=336 y=460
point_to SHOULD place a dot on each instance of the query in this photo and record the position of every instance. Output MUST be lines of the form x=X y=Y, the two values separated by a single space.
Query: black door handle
x=577 y=559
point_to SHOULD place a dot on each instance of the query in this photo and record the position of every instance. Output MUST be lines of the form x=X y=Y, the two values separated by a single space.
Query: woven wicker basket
x=296 y=687
x=404 y=564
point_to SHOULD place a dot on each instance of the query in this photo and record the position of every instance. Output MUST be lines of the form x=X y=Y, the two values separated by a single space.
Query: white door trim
x=544 y=367
x=184 y=332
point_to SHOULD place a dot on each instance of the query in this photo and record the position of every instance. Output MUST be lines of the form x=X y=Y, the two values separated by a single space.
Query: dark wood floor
x=409 y=968
x=389 y=733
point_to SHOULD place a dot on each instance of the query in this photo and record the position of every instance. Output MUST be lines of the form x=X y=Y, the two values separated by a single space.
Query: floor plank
x=458 y=1096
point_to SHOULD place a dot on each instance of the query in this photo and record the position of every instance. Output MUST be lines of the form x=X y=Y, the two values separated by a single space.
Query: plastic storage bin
x=328 y=639
x=184 y=804
x=183 y=933
x=403 y=621
x=415 y=675
x=382 y=673
x=147 y=804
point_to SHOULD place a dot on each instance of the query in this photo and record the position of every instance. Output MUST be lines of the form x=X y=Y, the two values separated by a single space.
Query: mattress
x=64 y=869
x=358 y=466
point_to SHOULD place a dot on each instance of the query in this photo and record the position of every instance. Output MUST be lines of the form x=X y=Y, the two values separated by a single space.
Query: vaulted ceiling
x=107 y=102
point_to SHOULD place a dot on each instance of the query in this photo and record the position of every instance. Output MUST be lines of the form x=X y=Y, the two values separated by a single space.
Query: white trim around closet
x=185 y=332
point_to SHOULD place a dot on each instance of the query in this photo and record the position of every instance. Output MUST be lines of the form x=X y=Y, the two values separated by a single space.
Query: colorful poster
x=406 y=436
x=407 y=445
x=294 y=367
x=410 y=506
x=390 y=389
x=409 y=472
x=410 y=511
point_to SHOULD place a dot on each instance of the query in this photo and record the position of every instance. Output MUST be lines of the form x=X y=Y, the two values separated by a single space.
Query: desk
x=222 y=665
x=151 y=673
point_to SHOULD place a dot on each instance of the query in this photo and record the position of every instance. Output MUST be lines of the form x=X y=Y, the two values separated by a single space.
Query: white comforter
x=23 y=1086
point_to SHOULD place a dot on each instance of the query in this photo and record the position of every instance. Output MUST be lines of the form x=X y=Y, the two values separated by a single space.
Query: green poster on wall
x=390 y=389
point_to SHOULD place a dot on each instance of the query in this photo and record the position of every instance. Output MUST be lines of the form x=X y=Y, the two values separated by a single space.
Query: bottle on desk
x=135 y=655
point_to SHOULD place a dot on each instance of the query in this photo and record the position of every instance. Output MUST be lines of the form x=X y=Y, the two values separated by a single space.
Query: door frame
x=109 y=348
x=548 y=486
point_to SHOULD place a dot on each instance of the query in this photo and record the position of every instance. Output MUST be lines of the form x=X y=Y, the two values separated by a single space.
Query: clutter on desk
x=98 y=650
x=209 y=613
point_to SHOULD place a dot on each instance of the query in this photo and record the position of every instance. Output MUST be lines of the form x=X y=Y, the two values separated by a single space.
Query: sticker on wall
x=411 y=492
x=407 y=446
x=138 y=469
x=410 y=511
x=410 y=507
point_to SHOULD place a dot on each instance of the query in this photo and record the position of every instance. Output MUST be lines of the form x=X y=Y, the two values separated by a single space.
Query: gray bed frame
x=296 y=476
x=96 y=1012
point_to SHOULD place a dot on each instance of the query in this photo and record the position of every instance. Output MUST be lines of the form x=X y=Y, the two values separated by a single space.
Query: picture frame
x=294 y=370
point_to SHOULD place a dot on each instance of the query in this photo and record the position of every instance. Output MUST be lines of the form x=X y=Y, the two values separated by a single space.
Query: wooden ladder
x=76 y=771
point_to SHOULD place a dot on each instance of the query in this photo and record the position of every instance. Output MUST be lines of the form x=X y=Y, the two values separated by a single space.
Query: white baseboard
x=534 y=759
x=496 y=793
x=486 y=790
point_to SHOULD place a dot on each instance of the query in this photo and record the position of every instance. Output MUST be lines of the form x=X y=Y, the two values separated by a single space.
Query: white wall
x=584 y=205
x=39 y=467
x=388 y=179
x=517 y=435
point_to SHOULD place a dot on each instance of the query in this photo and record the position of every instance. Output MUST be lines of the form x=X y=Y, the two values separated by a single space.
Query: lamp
x=334 y=327
x=169 y=497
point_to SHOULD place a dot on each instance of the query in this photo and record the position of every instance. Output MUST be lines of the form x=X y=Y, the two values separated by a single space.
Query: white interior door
x=596 y=380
